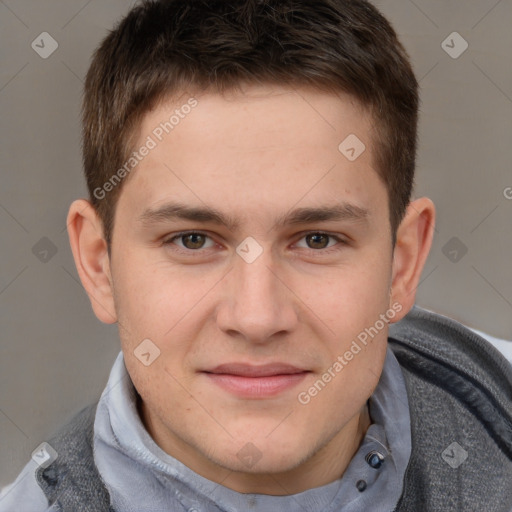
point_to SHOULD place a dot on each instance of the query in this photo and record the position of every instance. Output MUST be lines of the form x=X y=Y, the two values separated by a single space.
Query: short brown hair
x=162 y=47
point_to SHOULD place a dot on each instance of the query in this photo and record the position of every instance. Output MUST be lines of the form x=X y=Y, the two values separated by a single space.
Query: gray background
x=55 y=355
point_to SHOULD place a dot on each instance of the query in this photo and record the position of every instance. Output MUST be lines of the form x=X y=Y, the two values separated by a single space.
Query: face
x=252 y=252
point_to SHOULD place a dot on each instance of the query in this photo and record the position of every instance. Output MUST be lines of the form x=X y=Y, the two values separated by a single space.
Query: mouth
x=248 y=381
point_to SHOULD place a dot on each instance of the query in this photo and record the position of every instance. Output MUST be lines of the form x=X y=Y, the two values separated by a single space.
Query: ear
x=92 y=261
x=413 y=242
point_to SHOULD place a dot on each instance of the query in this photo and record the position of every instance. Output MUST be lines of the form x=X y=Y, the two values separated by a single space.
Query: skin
x=254 y=156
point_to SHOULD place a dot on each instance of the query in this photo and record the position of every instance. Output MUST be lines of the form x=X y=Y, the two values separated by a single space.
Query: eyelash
x=188 y=252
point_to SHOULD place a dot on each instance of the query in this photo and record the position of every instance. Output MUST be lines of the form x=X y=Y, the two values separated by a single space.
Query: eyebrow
x=173 y=211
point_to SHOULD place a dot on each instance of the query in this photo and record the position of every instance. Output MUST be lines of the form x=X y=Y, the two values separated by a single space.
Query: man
x=251 y=231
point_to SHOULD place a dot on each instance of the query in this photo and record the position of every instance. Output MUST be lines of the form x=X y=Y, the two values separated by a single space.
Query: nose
x=257 y=304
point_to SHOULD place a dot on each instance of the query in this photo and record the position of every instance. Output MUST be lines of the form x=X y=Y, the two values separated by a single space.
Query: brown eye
x=317 y=240
x=193 y=240
x=190 y=243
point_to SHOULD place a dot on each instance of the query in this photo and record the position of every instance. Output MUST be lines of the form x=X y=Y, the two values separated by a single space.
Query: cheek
x=346 y=299
x=161 y=303
x=144 y=291
x=350 y=384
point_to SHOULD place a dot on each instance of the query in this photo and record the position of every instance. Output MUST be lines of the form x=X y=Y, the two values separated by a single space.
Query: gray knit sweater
x=460 y=398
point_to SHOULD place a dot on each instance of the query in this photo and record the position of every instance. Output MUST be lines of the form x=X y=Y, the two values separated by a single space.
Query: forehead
x=249 y=150
x=255 y=115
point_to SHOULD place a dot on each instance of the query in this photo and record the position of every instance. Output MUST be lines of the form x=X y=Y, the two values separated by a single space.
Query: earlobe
x=414 y=240
x=91 y=258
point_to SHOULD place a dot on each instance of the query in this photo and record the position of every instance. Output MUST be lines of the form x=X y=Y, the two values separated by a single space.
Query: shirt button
x=361 y=485
x=50 y=475
x=375 y=459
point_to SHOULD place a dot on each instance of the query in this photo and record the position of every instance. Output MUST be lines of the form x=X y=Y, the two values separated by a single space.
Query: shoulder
x=24 y=491
x=460 y=398
x=504 y=346
x=439 y=348
x=441 y=358
x=68 y=480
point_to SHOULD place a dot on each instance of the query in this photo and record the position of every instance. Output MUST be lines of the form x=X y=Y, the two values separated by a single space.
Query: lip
x=249 y=381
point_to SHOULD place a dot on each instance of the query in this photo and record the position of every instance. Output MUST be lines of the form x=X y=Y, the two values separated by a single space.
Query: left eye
x=319 y=241
x=192 y=241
